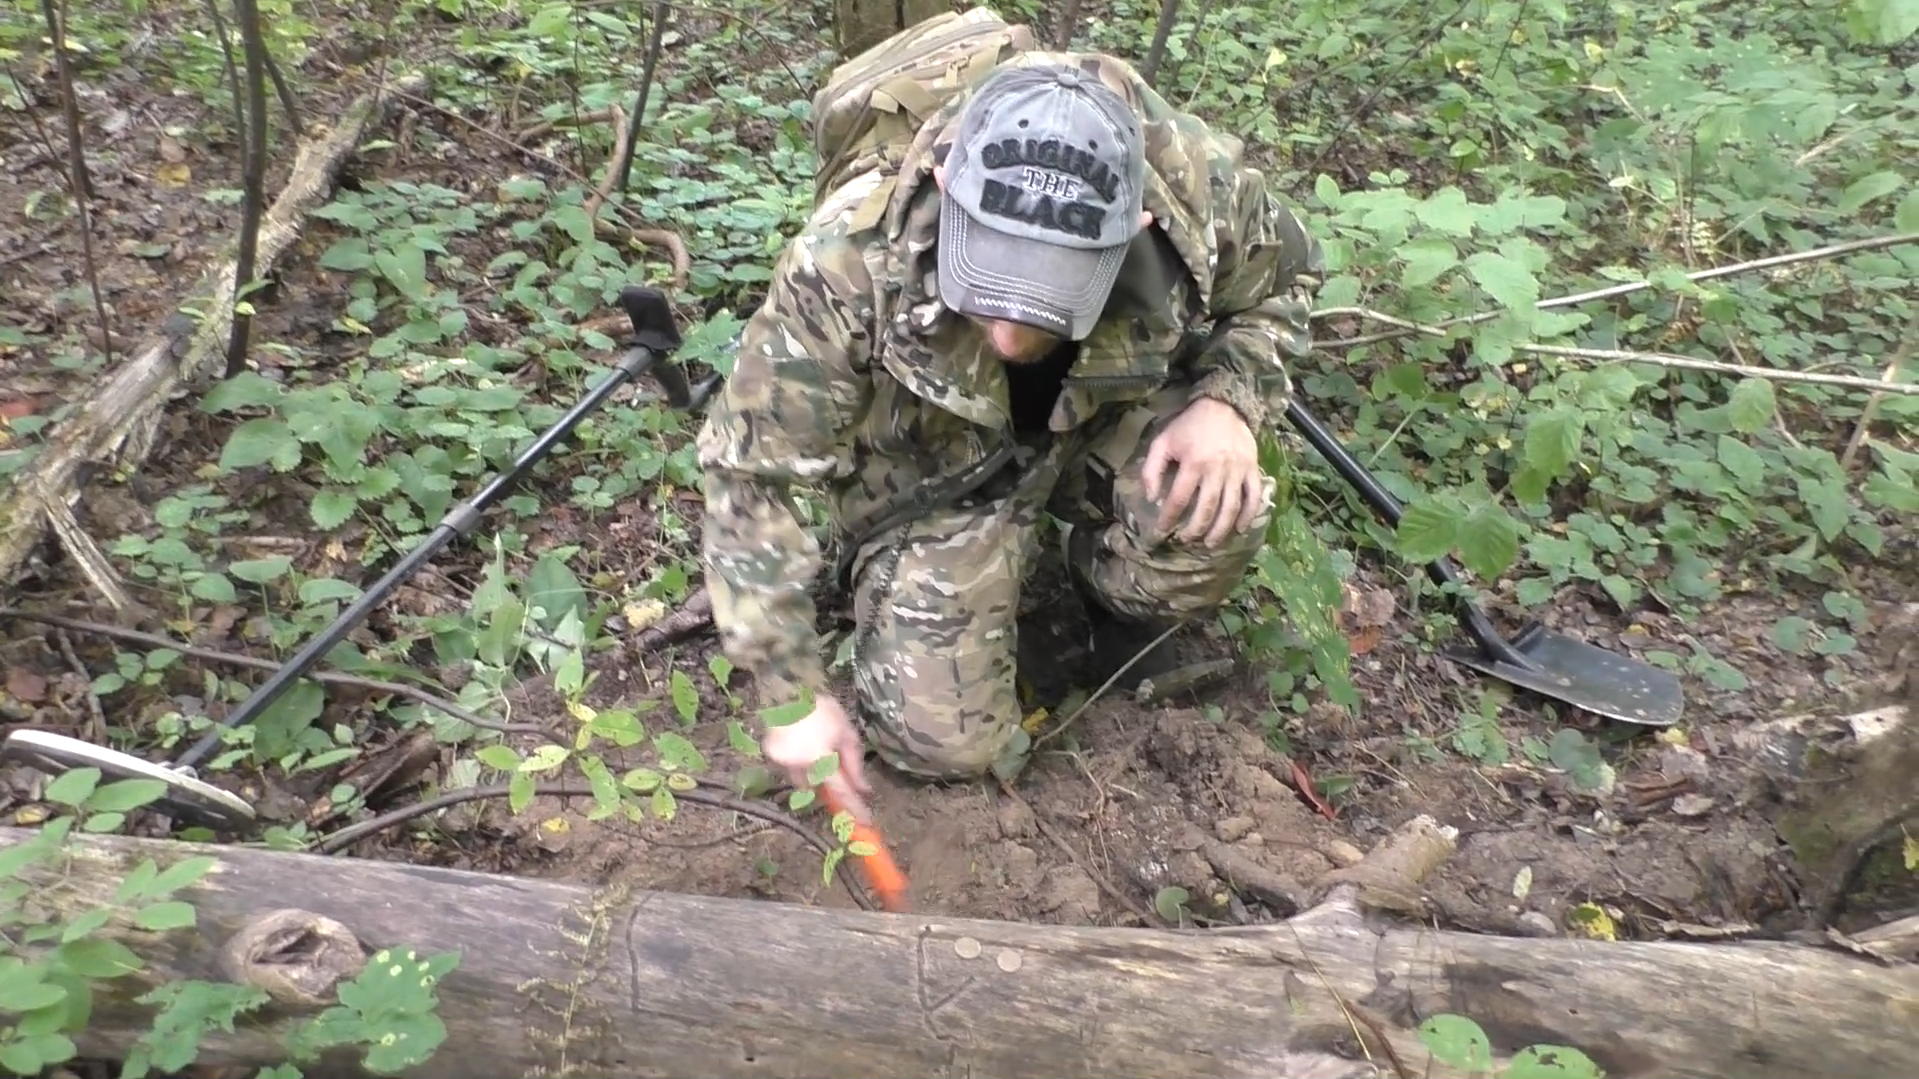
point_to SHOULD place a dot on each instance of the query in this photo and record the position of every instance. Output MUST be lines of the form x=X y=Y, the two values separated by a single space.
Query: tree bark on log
x=120 y=414
x=563 y=979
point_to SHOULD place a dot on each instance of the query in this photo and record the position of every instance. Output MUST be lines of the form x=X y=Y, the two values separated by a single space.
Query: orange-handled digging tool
x=882 y=873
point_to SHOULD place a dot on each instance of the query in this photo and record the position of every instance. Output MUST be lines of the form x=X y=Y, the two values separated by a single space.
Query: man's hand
x=1219 y=477
x=797 y=746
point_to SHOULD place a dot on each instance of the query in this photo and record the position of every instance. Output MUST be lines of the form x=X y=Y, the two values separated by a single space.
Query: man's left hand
x=1218 y=473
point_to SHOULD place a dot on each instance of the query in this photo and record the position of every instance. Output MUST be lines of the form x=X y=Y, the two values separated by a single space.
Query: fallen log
x=564 y=979
x=118 y=417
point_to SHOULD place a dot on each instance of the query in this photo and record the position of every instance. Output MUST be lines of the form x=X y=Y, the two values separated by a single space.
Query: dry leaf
x=1369 y=606
x=173 y=174
x=171 y=150
x=24 y=685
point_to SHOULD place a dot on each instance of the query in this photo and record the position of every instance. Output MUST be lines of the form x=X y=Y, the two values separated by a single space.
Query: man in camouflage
x=1066 y=285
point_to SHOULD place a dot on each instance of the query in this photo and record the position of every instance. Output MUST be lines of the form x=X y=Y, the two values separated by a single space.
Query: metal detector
x=1548 y=663
x=655 y=338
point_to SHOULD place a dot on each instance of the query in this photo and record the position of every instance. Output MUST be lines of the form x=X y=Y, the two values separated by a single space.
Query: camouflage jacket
x=851 y=376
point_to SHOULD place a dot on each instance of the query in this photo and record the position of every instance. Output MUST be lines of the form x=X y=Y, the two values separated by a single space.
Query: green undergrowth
x=1462 y=164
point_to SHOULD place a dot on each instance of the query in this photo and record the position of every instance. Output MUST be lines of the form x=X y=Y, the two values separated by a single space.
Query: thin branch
x=346 y=837
x=1866 y=414
x=253 y=179
x=621 y=170
x=1666 y=359
x=328 y=678
x=1850 y=247
x=77 y=166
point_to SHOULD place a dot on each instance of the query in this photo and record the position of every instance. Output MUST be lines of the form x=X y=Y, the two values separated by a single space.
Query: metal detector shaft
x=458 y=522
x=1388 y=507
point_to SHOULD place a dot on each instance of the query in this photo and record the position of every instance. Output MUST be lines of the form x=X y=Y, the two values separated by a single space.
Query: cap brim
x=990 y=274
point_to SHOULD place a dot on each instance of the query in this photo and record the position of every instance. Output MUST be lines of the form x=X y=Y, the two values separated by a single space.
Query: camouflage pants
x=936 y=601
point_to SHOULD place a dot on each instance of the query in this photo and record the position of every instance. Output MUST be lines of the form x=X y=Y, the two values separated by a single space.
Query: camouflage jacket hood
x=852 y=375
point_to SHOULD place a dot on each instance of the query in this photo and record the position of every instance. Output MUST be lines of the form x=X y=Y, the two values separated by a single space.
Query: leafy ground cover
x=1462 y=162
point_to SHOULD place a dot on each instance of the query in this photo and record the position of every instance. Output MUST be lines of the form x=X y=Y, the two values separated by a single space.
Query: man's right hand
x=797 y=746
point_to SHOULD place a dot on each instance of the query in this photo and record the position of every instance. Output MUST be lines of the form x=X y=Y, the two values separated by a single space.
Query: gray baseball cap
x=1042 y=199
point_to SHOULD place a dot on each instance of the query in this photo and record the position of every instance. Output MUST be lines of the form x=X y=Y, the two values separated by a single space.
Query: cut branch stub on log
x=118 y=416
x=562 y=979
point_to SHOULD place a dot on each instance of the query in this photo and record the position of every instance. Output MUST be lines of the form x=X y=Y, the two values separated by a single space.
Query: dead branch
x=325 y=678
x=1831 y=251
x=1667 y=359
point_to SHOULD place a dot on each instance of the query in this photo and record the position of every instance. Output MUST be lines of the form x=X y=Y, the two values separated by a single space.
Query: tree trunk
x=562 y=979
x=859 y=25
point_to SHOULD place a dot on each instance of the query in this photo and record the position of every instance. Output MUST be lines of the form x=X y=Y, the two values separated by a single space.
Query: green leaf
x=1170 y=902
x=248 y=389
x=1504 y=279
x=24 y=989
x=1867 y=188
x=501 y=757
x=781 y=715
x=676 y=752
x=1457 y=1042
x=332 y=507
x=1426 y=259
x=686 y=697
x=99 y=957
x=73 y=788
x=323 y=589
x=1552 y=441
x=213 y=588
x=1447 y=211
x=261 y=570
x=1488 y=540
x=169 y=914
x=1551 y=1062
x=182 y=874
x=1906 y=217
x=1751 y=405
x=257 y=442
x=1743 y=462
x=1428 y=530
x=823 y=769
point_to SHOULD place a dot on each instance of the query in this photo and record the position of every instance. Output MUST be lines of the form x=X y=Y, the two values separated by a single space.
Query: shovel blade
x=1586 y=676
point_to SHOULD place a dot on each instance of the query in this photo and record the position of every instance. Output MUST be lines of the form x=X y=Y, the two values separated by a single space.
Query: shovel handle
x=1388 y=507
x=882 y=873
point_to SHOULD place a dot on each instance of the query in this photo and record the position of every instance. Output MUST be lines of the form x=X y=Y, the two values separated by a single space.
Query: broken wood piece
x=694 y=616
x=621 y=981
x=117 y=417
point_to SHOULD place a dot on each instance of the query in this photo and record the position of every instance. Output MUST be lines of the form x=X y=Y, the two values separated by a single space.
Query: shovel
x=1548 y=663
x=188 y=797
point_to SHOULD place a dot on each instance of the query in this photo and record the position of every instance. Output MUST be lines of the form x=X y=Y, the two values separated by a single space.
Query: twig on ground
x=1072 y=855
x=1850 y=247
x=1108 y=684
x=345 y=837
x=99 y=729
x=331 y=678
x=1866 y=414
x=694 y=616
x=1666 y=359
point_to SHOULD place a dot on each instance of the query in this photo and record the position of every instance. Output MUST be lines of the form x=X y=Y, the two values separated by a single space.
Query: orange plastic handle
x=881 y=872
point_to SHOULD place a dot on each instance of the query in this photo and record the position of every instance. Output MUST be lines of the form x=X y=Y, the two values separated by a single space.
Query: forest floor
x=1215 y=807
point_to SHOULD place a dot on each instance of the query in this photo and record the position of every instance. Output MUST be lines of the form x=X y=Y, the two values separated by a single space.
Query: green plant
x=63 y=950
